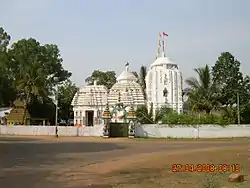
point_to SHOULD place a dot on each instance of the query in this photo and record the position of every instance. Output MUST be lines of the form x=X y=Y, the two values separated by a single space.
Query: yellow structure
x=18 y=114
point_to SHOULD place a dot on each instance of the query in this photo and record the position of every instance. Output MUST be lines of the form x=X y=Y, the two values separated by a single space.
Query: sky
x=105 y=34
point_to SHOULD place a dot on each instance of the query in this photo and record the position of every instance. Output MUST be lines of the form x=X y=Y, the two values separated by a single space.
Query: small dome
x=126 y=76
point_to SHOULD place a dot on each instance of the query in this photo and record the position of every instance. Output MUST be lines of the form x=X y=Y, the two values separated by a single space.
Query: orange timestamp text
x=206 y=168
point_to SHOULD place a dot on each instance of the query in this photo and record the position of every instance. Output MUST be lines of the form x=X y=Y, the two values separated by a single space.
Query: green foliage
x=136 y=75
x=245 y=114
x=34 y=68
x=28 y=71
x=4 y=40
x=142 y=81
x=107 y=78
x=191 y=120
x=218 y=89
x=7 y=92
x=45 y=109
x=204 y=91
x=66 y=92
x=227 y=75
x=146 y=116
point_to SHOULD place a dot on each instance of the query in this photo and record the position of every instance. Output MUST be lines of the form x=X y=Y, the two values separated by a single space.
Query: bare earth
x=39 y=162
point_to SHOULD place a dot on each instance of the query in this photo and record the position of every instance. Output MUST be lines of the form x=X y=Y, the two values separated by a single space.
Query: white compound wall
x=151 y=131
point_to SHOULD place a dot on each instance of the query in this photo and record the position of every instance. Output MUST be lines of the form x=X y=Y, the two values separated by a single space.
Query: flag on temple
x=127 y=64
x=165 y=34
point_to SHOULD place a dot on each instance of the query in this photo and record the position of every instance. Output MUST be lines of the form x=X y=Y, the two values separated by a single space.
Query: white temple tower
x=164 y=83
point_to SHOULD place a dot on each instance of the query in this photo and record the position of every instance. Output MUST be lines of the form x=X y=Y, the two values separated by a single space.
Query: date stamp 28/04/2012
x=206 y=168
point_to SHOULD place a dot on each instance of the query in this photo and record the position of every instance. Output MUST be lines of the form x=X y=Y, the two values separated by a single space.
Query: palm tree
x=146 y=116
x=204 y=91
x=32 y=82
x=142 y=81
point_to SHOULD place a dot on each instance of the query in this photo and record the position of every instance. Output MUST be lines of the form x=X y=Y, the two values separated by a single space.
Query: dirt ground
x=98 y=163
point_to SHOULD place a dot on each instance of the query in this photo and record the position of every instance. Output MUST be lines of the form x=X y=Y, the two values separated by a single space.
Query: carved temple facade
x=164 y=84
x=90 y=101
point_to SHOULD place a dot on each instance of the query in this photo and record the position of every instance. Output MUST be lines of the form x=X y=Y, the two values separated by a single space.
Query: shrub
x=186 y=119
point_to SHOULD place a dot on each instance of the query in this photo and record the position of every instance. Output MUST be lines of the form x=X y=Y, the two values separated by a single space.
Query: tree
x=34 y=68
x=7 y=93
x=204 y=91
x=136 y=75
x=4 y=40
x=142 y=81
x=146 y=116
x=226 y=73
x=245 y=114
x=43 y=109
x=66 y=93
x=107 y=78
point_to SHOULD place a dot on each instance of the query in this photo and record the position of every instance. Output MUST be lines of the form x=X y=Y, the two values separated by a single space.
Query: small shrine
x=89 y=104
x=18 y=114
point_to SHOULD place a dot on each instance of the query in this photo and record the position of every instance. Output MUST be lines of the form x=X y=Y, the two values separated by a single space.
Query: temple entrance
x=118 y=130
x=89 y=114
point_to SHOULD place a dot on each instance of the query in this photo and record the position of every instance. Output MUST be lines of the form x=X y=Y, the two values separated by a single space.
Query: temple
x=90 y=101
x=163 y=88
x=164 y=82
x=88 y=105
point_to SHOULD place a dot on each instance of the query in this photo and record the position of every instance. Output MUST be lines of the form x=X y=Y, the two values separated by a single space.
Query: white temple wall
x=201 y=131
x=155 y=131
x=80 y=114
x=157 y=80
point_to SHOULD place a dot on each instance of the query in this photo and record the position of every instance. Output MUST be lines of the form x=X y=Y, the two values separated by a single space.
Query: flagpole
x=164 y=43
x=163 y=46
x=158 y=45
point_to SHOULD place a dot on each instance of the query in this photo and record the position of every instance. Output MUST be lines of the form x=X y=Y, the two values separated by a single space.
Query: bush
x=186 y=119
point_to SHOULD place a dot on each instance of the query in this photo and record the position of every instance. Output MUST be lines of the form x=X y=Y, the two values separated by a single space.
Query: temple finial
x=127 y=66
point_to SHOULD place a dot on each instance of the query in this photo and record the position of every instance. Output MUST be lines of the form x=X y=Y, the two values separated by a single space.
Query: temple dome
x=126 y=76
x=127 y=90
x=91 y=95
x=163 y=61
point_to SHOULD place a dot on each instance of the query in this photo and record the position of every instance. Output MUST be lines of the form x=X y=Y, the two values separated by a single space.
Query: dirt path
x=78 y=162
